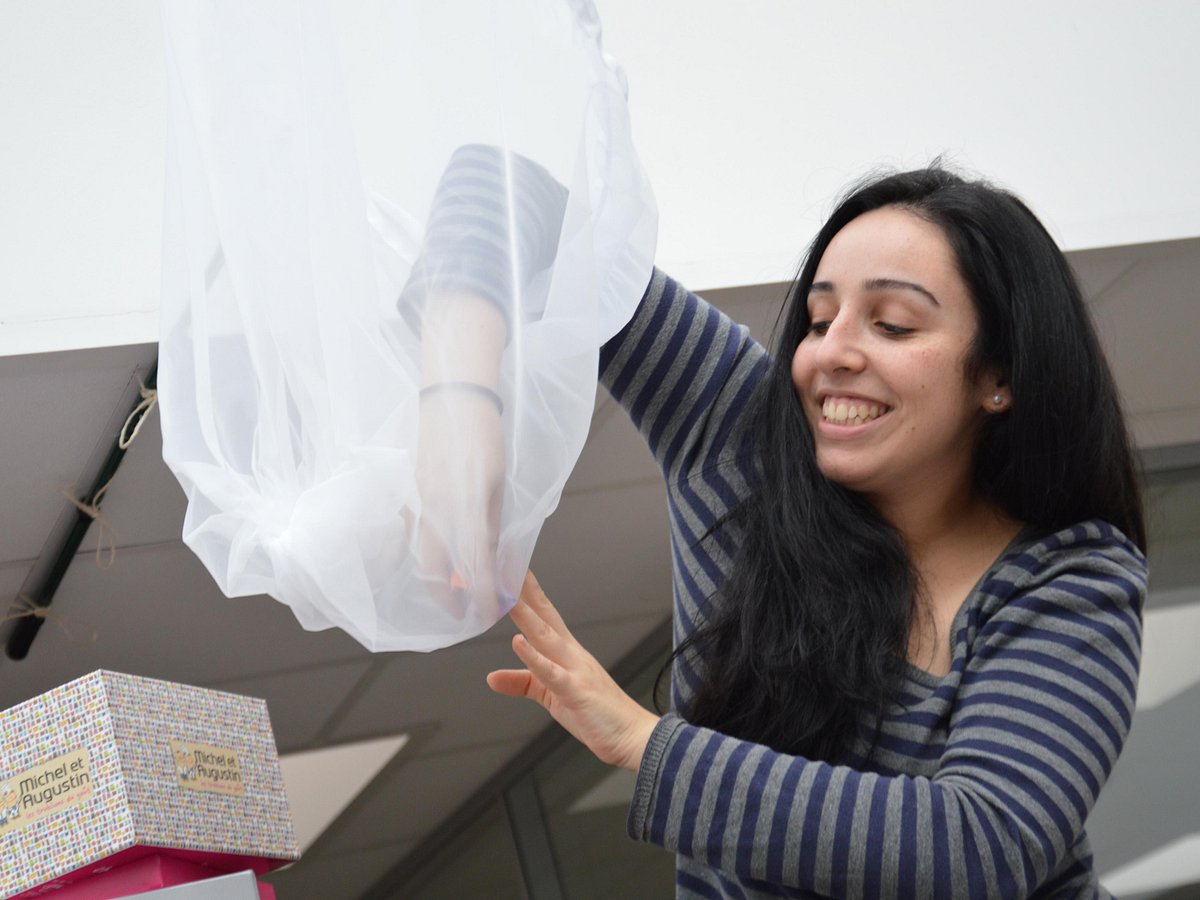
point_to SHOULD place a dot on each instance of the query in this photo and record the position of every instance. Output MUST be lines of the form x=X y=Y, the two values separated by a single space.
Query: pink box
x=111 y=768
x=147 y=873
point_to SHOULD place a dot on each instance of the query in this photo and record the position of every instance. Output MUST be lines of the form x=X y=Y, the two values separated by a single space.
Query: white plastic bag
x=322 y=262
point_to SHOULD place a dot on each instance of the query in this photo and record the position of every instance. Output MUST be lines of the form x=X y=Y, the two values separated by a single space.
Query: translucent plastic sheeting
x=372 y=223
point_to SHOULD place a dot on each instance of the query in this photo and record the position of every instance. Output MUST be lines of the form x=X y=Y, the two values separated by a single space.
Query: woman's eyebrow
x=890 y=284
x=877 y=284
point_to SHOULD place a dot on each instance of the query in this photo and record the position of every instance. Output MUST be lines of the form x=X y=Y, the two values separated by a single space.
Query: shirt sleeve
x=685 y=373
x=495 y=216
x=1044 y=705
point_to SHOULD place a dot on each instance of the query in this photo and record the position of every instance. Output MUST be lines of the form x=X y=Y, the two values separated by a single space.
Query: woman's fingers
x=545 y=639
x=519 y=683
x=544 y=628
x=540 y=666
x=515 y=683
x=532 y=593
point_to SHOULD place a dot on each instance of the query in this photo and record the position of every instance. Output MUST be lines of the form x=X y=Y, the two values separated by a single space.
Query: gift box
x=146 y=873
x=236 y=886
x=111 y=768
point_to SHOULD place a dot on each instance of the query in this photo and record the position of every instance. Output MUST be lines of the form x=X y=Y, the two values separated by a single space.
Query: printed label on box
x=201 y=767
x=45 y=789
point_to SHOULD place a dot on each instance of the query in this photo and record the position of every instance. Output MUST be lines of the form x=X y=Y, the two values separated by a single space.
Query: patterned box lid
x=112 y=761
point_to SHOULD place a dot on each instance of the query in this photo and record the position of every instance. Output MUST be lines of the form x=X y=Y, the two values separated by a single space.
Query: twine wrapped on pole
x=24 y=608
x=32 y=604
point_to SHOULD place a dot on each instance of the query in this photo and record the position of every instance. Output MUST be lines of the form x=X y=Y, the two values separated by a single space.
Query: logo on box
x=47 y=788
x=202 y=767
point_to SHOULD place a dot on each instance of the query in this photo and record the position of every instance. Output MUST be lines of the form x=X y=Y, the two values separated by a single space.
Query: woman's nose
x=841 y=347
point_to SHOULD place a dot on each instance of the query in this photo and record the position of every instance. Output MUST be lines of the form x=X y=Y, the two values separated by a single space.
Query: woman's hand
x=461 y=459
x=460 y=474
x=571 y=685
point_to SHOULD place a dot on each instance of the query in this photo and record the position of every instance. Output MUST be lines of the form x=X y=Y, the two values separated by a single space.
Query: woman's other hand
x=572 y=686
x=461 y=458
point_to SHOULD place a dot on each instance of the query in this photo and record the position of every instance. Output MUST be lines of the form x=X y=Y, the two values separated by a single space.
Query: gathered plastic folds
x=396 y=235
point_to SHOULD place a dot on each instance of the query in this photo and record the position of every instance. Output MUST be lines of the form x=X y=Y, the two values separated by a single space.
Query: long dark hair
x=812 y=634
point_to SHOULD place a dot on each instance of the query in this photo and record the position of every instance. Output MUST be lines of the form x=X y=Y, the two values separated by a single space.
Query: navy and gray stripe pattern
x=981 y=781
x=493 y=227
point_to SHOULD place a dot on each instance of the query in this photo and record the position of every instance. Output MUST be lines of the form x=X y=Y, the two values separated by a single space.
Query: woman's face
x=880 y=372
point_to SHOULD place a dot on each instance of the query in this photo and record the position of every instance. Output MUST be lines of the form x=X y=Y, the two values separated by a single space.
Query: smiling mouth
x=841 y=411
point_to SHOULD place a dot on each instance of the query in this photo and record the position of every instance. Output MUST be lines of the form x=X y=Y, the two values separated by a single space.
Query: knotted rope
x=26 y=608
x=129 y=431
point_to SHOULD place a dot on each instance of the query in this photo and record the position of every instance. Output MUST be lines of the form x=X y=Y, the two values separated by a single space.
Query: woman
x=908 y=568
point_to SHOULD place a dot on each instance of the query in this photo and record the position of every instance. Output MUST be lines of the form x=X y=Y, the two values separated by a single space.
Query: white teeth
x=855 y=413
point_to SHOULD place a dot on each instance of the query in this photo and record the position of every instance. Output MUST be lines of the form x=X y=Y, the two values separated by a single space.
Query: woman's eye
x=818 y=328
x=897 y=330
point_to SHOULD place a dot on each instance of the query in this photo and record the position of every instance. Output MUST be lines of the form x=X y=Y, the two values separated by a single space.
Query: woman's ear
x=997 y=395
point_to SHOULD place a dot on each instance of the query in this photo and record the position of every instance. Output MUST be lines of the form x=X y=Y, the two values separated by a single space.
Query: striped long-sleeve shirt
x=981 y=780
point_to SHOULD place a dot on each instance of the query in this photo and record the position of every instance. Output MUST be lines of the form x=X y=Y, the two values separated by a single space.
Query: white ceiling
x=748 y=117
x=603 y=558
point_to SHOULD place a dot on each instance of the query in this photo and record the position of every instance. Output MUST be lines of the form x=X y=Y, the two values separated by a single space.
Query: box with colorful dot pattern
x=111 y=766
